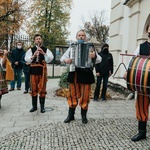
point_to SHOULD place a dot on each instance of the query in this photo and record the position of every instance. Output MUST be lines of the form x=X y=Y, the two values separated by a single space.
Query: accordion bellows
x=80 y=55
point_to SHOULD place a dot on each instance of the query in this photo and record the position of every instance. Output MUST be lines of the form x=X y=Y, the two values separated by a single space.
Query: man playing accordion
x=80 y=81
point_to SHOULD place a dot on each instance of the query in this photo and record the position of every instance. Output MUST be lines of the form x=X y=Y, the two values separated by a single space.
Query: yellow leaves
x=2 y=2
x=63 y=92
x=11 y=16
x=5 y=2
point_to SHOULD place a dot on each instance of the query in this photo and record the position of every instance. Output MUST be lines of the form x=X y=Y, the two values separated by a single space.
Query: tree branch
x=2 y=18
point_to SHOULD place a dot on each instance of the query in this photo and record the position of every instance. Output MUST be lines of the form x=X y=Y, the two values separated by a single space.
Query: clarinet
x=37 y=56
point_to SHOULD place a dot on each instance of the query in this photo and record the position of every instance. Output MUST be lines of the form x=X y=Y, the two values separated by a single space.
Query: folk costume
x=38 y=75
x=6 y=74
x=142 y=101
x=80 y=82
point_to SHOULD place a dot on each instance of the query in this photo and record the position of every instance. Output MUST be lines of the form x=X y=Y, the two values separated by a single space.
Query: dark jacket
x=106 y=64
x=16 y=55
x=145 y=48
x=25 y=67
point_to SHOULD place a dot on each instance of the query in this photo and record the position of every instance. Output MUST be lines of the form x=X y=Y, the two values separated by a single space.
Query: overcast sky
x=82 y=9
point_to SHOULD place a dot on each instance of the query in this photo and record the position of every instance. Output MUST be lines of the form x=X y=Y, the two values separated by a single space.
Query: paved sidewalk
x=110 y=126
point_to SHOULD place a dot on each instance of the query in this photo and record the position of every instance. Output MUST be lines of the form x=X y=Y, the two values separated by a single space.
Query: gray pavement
x=110 y=126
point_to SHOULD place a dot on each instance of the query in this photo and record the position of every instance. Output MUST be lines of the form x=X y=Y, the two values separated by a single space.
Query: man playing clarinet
x=38 y=56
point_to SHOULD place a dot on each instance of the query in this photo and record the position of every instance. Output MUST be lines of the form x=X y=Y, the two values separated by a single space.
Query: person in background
x=26 y=67
x=15 y=59
x=3 y=82
x=142 y=100
x=80 y=82
x=103 y=71
x=37 y=57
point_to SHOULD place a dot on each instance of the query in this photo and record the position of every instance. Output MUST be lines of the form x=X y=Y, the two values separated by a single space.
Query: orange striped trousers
x=79 y=93
x=142 y=107
x=37 y=85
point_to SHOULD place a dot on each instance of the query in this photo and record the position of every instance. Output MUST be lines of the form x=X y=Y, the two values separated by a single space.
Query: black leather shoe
x=83 y=115
x=140 y=136
x=69 y=119
x=70 y=116
x=103 y=99
x=33 y=109
x=42 y=109
x=84 y=120
x=25 y=92
x=95 y=99
x=11 y=89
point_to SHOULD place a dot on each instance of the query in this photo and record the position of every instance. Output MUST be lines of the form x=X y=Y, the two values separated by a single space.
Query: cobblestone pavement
x=111 y=125
x=98 y=134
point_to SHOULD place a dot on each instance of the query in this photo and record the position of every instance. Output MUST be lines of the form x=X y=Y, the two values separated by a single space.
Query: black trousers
x=98 y=85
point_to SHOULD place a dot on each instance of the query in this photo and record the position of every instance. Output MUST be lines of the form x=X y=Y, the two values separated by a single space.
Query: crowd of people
x=33 y=64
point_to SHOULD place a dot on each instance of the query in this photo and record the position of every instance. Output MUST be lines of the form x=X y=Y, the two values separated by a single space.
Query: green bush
x=63 y=79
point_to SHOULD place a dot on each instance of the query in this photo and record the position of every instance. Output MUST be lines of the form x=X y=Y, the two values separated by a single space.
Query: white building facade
x=127 y=30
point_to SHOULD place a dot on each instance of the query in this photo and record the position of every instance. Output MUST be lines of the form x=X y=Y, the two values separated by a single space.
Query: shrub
x=63 y=79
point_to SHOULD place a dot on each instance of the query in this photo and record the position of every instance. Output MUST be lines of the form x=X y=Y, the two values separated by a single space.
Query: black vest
x=37 y=69
x=144 y=49
x=84 y=76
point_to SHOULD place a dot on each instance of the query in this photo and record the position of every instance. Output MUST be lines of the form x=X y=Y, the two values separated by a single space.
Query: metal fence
x=25 y=39
x=9 y=41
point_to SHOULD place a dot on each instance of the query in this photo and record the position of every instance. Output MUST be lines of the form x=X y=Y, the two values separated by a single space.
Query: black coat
x=16 y=55
x=25 y=67
x=106 y=65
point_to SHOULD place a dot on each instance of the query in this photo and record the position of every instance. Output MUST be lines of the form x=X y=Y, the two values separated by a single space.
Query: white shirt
x=48 y=57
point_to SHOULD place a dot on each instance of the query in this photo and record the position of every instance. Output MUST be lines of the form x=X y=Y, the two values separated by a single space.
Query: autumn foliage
x=12 y=15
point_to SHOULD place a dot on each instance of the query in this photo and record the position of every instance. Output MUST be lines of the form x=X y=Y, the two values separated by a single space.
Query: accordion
x=80 y=55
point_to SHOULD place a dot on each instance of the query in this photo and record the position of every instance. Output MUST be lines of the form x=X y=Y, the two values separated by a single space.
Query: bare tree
x=97 y=27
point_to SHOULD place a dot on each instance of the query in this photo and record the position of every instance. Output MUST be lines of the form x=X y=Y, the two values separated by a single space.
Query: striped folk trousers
x=142 y=107
x=37 y=86
x=79 y=93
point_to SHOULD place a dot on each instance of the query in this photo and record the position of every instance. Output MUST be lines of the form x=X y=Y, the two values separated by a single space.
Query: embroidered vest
x=36 y=68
